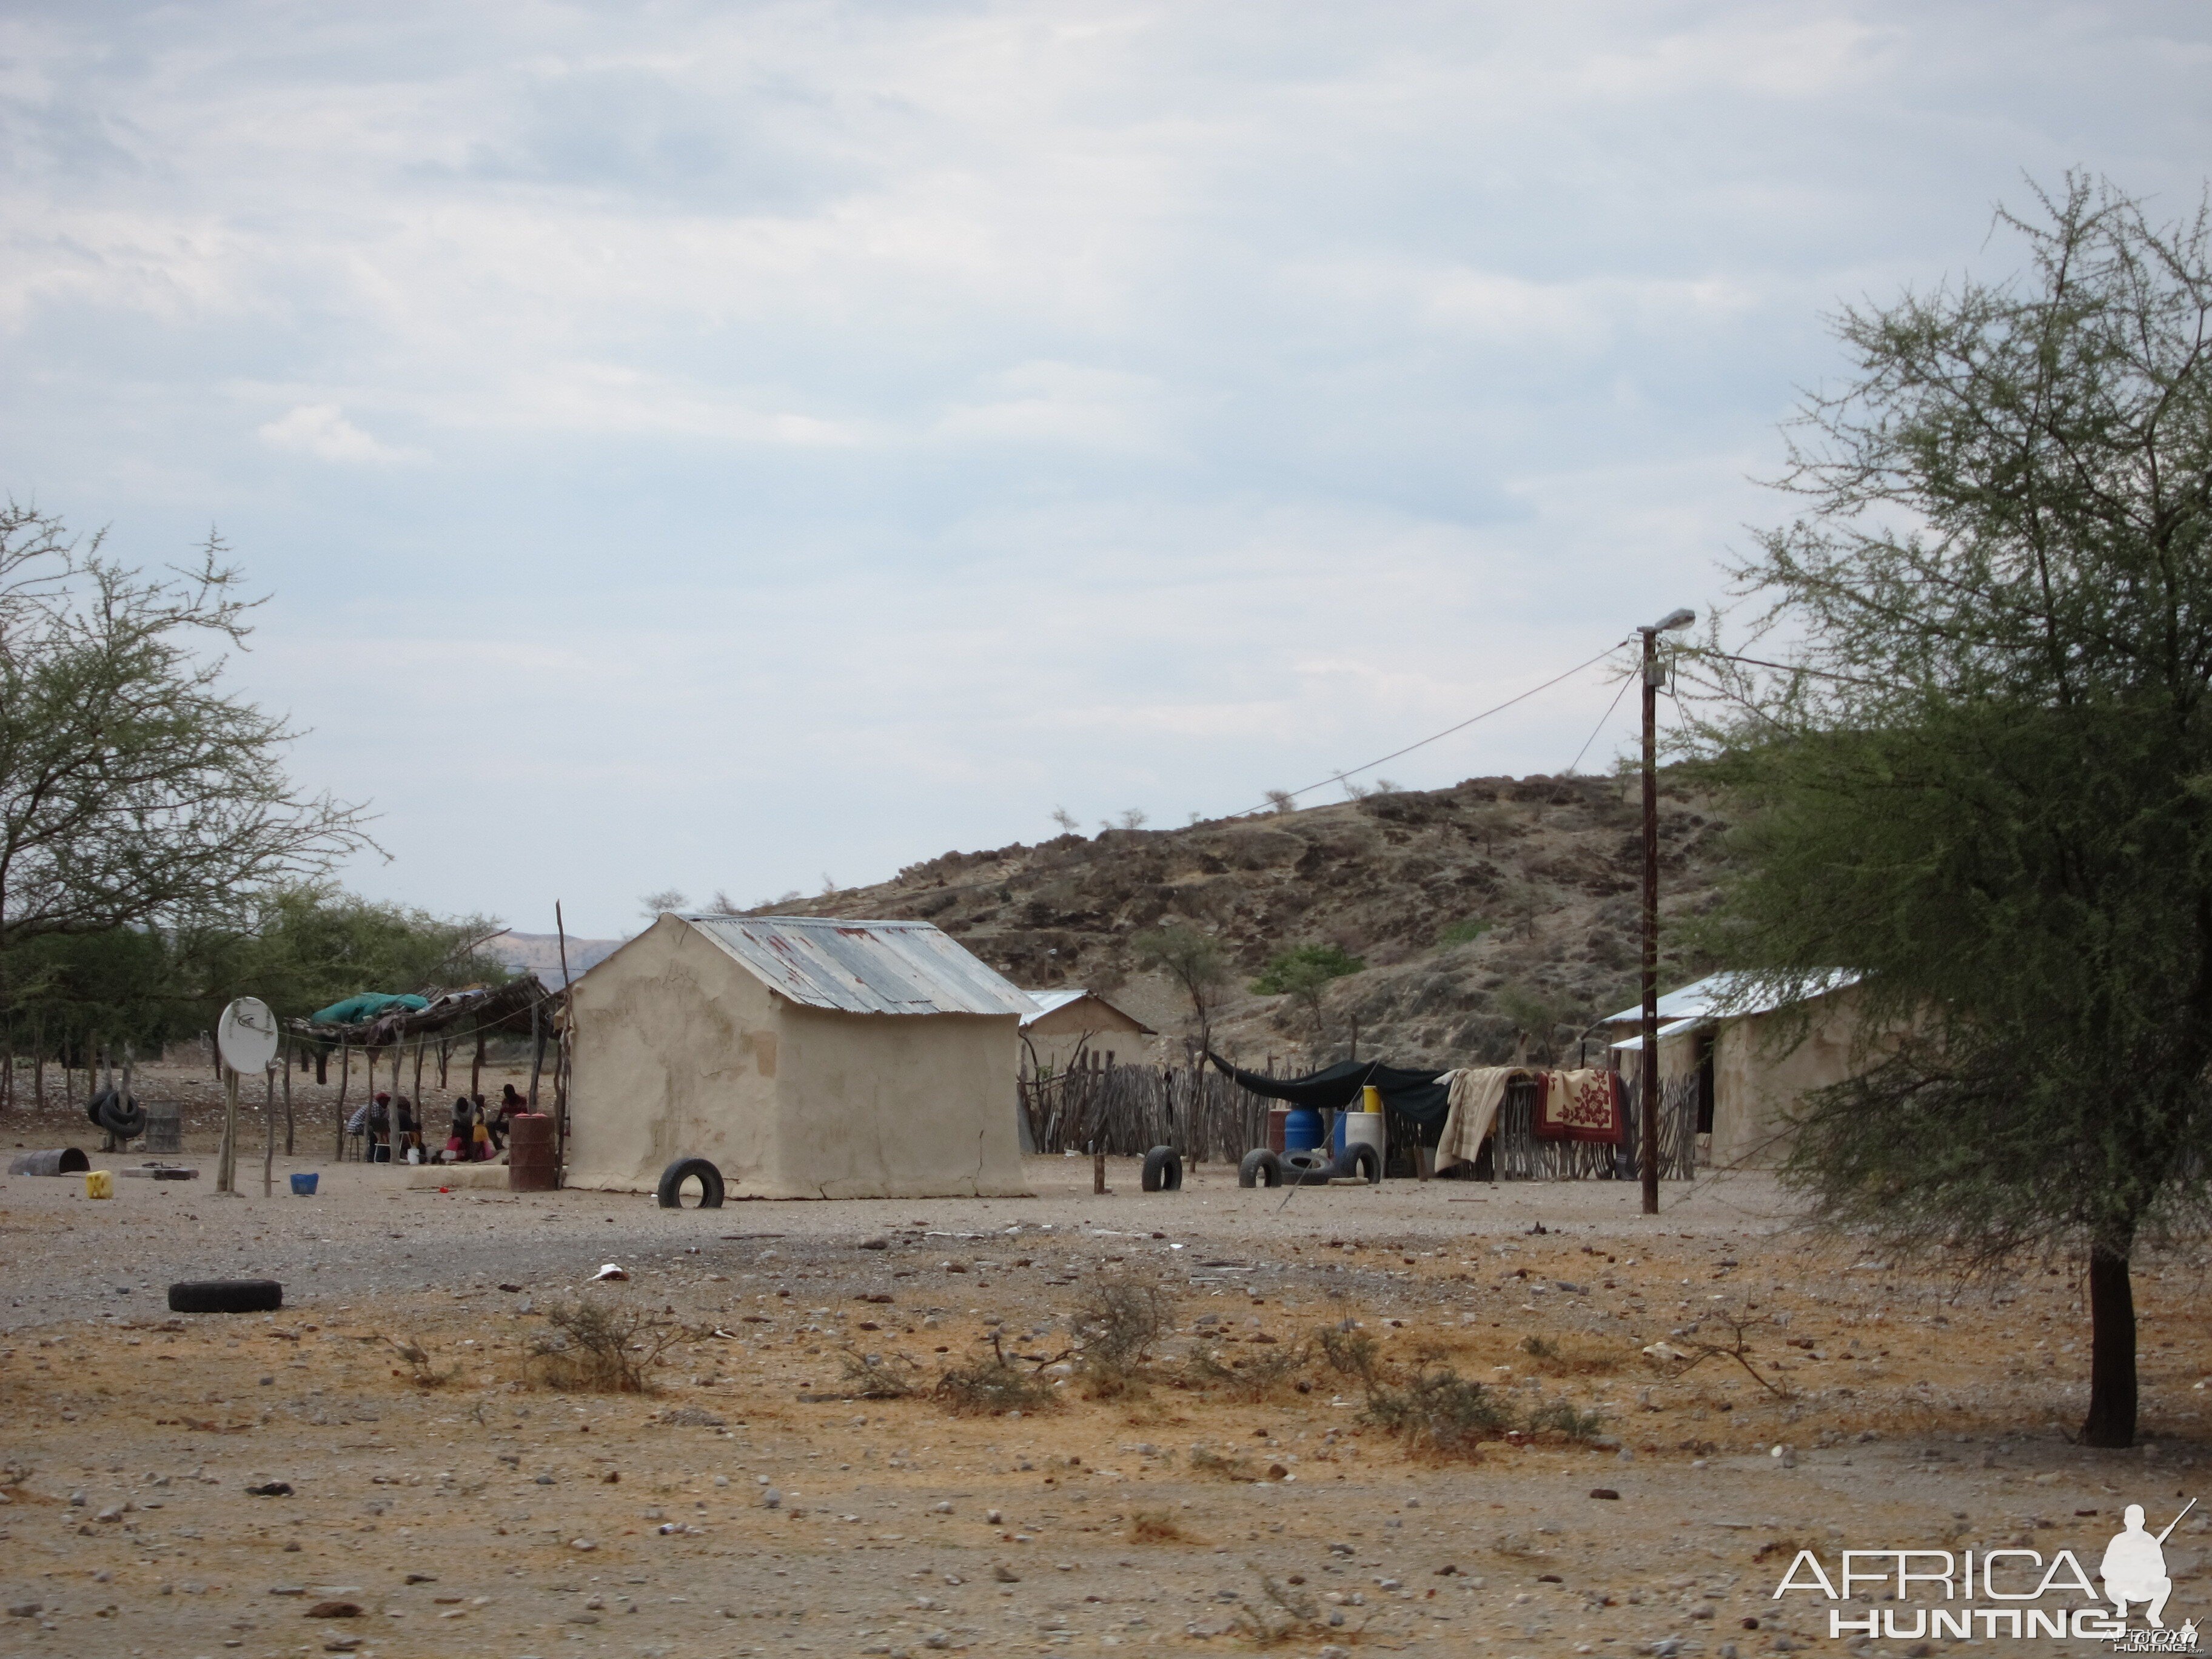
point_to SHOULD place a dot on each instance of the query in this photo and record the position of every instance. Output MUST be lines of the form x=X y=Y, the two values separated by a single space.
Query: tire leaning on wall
x=670 y=1190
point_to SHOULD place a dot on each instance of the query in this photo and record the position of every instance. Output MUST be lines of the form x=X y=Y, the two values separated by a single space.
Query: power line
x=1500 y=708
x=1599 y=727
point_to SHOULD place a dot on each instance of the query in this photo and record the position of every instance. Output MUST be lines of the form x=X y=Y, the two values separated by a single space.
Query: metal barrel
x=530 y=1165
x=53 y=1160
x=164 y=1128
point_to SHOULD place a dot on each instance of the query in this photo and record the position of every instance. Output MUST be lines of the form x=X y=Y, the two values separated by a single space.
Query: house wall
x=680 y=1052
x=677 y=1054
x=897 y=1105
x=1763 y=1062
x=1093 y=1027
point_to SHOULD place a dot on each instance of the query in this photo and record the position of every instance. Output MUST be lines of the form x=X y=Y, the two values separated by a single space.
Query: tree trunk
x=288 y=1124
x=2111 y=1419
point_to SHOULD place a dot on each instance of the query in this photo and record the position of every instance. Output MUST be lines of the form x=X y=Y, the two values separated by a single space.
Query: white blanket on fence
x=1476 y=1093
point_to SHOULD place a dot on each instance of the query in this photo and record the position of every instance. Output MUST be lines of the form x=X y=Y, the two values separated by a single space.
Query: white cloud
x=323 y=431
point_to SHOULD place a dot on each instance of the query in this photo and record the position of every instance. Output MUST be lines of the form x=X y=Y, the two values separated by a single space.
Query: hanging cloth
x=1581 y=1105
x=1475 y=1094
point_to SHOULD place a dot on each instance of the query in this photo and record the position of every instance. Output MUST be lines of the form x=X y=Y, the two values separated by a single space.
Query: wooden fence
x=1204 y=1115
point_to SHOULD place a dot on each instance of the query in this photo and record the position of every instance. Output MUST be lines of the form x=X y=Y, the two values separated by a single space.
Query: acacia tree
x=136 y=789
x=1196 y=962
x=1985 y=779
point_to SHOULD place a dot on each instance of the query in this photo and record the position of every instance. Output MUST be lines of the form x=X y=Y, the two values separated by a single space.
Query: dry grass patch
x=1116 y=1323
x=991 y=1384
x=1156 y=1527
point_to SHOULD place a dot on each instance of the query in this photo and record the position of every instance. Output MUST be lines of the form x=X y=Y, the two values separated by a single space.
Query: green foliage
x=136 y=789
x=1463 y=933
x=1305 y=968
x=1987 y=789
x=309 y=946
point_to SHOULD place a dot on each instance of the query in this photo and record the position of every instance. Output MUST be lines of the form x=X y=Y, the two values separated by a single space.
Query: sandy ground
x=489 y=1516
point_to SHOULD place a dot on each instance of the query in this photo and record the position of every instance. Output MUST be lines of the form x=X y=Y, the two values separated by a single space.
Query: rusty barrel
x=530 y=1165
x=1279 y=1118
x=51 y=1161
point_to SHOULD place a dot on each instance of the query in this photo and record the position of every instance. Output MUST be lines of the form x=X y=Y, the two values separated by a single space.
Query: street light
x=1654 y=674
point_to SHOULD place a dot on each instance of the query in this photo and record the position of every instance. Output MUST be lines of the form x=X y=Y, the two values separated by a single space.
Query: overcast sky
x=724 y=445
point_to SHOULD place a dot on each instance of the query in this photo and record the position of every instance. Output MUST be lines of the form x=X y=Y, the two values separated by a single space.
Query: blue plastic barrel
x=1301 y=1129
x=303 y=1184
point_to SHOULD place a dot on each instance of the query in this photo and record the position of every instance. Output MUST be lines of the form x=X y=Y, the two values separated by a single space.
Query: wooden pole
x=537 y=1048
x=269 y=1153
x=476 y=1067
x=226 y=1177
x=563 y=1055
x=345 y=1072
x=289 y=1051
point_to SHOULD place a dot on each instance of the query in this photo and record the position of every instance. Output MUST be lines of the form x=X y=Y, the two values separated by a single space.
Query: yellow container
x=1370 y=1099
x=98 y=1183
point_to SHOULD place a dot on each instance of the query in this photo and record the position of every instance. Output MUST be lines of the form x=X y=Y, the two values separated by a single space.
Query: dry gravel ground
x=491 y=1516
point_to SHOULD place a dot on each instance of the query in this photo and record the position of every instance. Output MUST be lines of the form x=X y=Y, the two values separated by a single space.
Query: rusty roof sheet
x=864 y=966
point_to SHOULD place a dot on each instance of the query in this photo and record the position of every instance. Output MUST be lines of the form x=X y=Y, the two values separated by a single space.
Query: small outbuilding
x=807 y=1056
x=1072 y=1027
x=1749 y=1053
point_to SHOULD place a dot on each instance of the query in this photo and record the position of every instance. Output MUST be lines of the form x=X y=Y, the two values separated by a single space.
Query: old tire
x=672 y=1178
x=1306 y=1168
x=1362 y=1162
x=1163 y=1170
x=226 y=1296
x=125 y=1119
x=1260 y=1168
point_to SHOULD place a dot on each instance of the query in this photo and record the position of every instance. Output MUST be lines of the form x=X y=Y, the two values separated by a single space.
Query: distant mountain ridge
x=1494 y=908
x=540 y=953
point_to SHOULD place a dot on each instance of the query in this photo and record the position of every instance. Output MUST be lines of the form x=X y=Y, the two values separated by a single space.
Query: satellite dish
x=246 y=1035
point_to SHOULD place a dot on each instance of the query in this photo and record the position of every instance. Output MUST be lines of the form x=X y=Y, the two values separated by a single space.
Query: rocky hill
x=1499 y=913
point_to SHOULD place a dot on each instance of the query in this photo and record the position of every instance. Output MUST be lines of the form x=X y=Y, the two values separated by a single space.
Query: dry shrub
x=1116 y=1323
x=1156 y=1527
x=593 y=1348
x=1231 y=1468
x=422 y=1365
x=1278 y=1614
x=1350 y=1351
x=992 y=1383
x=1564 y=1417
x=878 y=1377
x=1253 y=1378
x=1436 y=1410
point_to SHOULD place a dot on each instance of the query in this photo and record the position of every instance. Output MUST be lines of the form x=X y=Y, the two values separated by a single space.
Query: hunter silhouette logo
x=2134 y=1568
x=2008 y=1591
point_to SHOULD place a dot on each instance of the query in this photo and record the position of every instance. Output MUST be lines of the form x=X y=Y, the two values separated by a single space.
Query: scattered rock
x=334 y=1610
x=584 y=1545
x=1604 y=1491
x=271 y=1489
x=1005 y=1574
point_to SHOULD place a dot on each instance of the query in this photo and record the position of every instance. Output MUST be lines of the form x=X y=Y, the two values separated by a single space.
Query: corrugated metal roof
x=864 y=966
x=1733 y=993
x=1061 y=996
x=1047 y=1001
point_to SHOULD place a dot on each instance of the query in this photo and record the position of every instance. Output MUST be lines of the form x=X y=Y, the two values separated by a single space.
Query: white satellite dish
x=246 y=1035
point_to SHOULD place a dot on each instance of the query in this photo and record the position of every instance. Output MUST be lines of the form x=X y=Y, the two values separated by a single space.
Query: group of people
x=394 y=1132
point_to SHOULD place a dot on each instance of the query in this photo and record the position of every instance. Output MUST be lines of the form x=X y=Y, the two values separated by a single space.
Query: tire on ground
x=1260 y=1168
x=1312 y=1168
x=226 y=1296
x=685 y=1169
x=1361 y=1161
x=1163 y=1170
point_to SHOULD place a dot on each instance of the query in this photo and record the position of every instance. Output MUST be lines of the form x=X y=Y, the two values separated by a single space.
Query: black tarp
x=1415 y=1095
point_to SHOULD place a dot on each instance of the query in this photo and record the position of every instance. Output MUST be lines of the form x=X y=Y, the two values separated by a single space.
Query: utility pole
x=1655 y=676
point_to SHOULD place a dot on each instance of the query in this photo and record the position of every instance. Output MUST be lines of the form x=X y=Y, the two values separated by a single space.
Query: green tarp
x=359 y=1009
